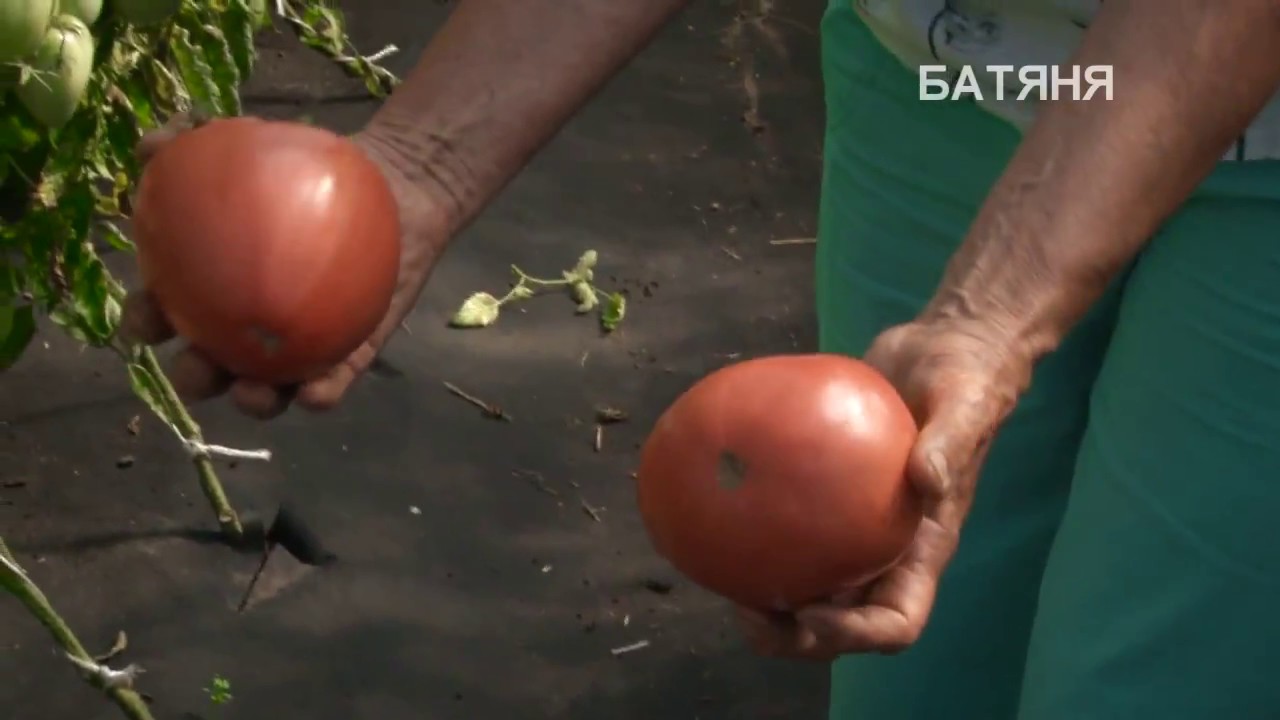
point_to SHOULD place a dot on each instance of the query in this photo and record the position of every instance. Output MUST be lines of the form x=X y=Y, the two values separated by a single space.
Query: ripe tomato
x=274 y=247
x=779 y=481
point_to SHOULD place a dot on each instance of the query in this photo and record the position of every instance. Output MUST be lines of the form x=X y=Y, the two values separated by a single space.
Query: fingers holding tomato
x=194 y=375
x=273 y=249
x=779 y=481
x=960 y=382
x=779 y=635
x=826 y=494
x=886 y=616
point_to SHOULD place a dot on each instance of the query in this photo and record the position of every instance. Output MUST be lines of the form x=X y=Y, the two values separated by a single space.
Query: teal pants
x=1122 y=560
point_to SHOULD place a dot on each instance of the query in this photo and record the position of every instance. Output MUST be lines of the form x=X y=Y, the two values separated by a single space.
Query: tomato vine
x=80 y=82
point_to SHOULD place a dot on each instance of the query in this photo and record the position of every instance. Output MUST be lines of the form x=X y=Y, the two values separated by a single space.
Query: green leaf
x=196 y=74
x=138 y=96
x=11 y=279
x=222 y=66
x=324 y=29
x=81 y=299
x=17 y=328
x=479 y=310
x=612 y=311
x=76 y=208
x=166 y=90
x=40 y=239
x=147 y=387
x=16 y=135
x=585 y=296
x=96 y=312
x=237 y=27
x=73 y=145
x=115 y=237
x=24 y=151
x=586 y=264
x=123 y=125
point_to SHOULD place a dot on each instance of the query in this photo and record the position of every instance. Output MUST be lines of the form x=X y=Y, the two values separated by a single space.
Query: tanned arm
x=1093 y=180
x=497 y=81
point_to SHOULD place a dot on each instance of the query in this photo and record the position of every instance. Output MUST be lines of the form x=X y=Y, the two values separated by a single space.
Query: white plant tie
x=195 y=448
x=200 y=449
x=382 y=54
x=106 y=676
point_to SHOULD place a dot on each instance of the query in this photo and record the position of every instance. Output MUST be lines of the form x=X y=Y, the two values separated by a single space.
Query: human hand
x=424 y=225
x=960 y=381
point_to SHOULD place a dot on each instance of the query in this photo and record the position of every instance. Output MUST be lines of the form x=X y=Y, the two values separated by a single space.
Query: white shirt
x=978 y=34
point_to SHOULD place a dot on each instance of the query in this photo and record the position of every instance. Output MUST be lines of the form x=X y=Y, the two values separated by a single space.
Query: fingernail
x=816 y=623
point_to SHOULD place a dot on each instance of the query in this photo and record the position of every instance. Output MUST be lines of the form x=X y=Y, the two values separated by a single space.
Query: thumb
x=157 y=138
x=950 y=446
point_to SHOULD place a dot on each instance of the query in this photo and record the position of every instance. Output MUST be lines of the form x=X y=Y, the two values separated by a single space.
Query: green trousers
x=1122 y=560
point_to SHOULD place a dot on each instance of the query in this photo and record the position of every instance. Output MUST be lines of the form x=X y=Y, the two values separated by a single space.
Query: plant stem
x=20 y=586
x=228 y=520
x=523 y=276
x=377 y=79
x=175 y=413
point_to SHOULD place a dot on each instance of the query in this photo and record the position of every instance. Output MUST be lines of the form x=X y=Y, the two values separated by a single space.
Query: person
x=1095 y=278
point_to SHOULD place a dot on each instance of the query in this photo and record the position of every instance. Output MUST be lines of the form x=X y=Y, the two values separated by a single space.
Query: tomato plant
x=80 y=82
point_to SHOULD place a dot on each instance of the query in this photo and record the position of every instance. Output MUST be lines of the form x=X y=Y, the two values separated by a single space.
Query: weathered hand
x=196 y=378
x=960 y=381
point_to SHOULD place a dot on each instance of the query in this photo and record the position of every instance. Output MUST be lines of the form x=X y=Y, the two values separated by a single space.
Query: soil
x=485 y=569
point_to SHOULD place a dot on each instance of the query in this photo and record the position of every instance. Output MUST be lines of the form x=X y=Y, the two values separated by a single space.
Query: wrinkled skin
x=960 y=383
x=197 y=378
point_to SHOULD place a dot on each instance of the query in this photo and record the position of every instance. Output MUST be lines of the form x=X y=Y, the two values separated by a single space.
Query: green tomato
x=22 y=27
x=146 y=12
x=259 y=10
x=87 y=10
x=59 y=72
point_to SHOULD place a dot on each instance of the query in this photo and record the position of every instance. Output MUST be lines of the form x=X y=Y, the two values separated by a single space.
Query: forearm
x=1093 y=180
x=497 y=81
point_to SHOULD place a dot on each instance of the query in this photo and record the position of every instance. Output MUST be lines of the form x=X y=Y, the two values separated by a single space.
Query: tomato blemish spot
x=270 y=341
x=732 y=472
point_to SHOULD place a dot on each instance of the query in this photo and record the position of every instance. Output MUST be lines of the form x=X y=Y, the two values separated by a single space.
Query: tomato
x=780 y=481
x=273 y=247
x=86 y=10
x=23 y=24
x=146 y=12
x=60 y=72
x=259 y=10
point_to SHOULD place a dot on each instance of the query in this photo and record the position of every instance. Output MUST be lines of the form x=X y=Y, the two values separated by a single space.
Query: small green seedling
x=219 y=690
x=482 y=308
